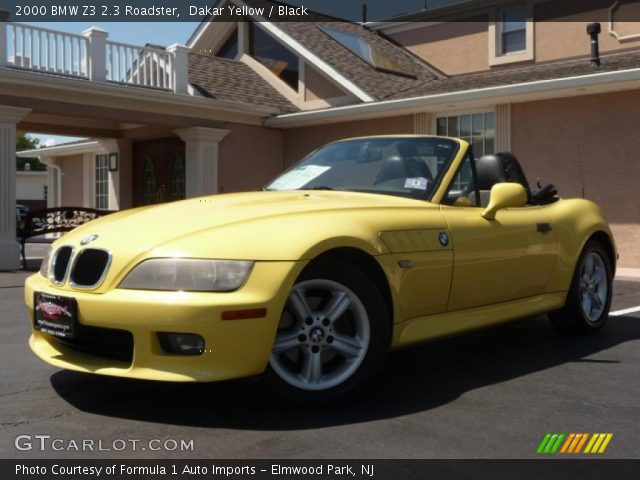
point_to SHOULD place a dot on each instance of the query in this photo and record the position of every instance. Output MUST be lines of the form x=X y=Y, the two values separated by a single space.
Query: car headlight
x=185 y=274
x=44 y=266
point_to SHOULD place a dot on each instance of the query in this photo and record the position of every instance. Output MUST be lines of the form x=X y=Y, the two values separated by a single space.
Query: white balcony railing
x=146 y=66
x=43 y=49
x=91 y=56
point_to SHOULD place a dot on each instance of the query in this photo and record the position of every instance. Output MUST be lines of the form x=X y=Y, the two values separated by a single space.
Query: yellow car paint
x=488 y=271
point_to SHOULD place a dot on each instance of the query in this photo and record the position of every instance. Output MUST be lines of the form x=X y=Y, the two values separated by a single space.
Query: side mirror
x=505 y=195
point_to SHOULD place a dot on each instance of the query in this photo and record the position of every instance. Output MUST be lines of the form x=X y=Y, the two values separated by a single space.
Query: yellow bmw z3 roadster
x=365 y=246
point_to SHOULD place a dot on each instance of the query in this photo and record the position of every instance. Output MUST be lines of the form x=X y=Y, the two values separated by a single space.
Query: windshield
x=409 y=166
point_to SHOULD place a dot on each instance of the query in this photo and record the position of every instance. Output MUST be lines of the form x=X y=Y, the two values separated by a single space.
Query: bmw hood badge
x=88 y=240
x=443 y=238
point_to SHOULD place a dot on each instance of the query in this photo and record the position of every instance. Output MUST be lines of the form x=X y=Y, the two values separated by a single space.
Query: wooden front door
x=158 y=171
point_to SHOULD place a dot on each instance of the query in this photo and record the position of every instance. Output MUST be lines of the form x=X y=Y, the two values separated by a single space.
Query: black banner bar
x=543 y=469
x=307 y=10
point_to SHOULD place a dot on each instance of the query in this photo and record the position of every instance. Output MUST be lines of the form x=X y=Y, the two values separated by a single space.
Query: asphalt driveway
x=489 y=394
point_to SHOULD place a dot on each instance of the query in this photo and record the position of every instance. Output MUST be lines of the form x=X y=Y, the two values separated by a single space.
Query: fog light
x=181 y=343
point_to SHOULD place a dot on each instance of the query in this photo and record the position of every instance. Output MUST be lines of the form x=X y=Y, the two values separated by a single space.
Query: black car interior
x=504 y=167
x=405 y=165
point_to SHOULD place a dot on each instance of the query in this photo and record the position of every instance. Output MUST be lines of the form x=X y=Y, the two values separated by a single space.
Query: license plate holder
x=55 y=315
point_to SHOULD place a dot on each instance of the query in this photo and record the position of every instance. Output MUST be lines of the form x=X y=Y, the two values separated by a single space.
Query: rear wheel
x=333 y=334
x=589 y=298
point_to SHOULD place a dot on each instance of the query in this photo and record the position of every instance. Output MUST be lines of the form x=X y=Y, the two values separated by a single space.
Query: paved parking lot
x=489 y=394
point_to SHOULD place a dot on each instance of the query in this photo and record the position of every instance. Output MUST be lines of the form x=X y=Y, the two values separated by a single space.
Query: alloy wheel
x=593 y=287
x=323 y=336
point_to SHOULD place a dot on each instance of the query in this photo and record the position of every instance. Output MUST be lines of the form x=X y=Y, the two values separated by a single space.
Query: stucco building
x=242 y=101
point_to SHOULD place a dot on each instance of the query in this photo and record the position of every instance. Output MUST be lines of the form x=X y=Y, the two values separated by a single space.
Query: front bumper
x=234 y=348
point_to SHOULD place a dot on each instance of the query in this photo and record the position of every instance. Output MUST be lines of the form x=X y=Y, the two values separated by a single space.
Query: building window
x=45 y=192
x=270 y=53
x=513 y=30
x=149 y=191
x=102 y=182
x=230 y=48
x=512 y=34
x=478 y=129
x=178 y=179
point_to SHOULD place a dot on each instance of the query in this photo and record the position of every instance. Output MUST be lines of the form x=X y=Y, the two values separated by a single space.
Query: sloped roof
x=531 y=73
x=378 y=84
x=232 y=80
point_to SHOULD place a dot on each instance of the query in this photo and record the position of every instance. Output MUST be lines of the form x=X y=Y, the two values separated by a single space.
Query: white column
x=9 y=247
x=503 y=127
x=201 y=148
x=97 y=53
x=180 y=67
x=422 y=123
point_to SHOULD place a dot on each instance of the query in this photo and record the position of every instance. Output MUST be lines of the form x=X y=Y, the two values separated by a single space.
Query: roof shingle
x=234 y=81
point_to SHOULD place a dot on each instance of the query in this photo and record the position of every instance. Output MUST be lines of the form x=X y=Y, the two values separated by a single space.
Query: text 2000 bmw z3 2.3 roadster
x=367 y=245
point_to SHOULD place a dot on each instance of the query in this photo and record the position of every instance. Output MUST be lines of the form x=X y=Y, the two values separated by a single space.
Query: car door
x=508 y=258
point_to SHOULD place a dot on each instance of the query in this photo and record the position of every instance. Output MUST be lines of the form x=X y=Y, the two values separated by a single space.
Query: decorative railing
x=54 y=220
x=91 y=56
x=146 y=66
x=43 y=49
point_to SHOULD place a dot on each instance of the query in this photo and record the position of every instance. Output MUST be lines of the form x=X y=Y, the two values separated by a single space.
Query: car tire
x=340 y=343
x=589 y=298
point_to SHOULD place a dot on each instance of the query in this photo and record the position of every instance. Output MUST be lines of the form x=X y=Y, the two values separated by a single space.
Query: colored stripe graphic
x=543 y=443
x=568 y=442
x=599 y=442
x=581 y=443
x=551 y=443
x=573 y=443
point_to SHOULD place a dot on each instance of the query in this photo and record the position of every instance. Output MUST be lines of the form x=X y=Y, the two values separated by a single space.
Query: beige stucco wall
x=72 y=180
x=587 y=146
x=463 y=47
x=453 y=47
x=317 y=87
x=299 y=142
x=249 y=158
x=575 y=42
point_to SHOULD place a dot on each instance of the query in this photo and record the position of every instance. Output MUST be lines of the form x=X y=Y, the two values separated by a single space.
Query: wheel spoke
x=312 y=367
x=340 y=303
x=586 y=304
x=588 y=266
x=348 y=347
x=595 y=298
x=598 y=275
x=285 y=341
x=299 y=305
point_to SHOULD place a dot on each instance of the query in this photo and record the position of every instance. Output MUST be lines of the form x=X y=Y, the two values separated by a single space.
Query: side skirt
x=422 y=329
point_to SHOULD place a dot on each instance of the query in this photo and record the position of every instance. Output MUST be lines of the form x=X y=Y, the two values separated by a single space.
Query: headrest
x=407 y=149
x=489 y=170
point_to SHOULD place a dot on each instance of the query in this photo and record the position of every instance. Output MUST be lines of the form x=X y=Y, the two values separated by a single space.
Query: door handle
x=543 y=227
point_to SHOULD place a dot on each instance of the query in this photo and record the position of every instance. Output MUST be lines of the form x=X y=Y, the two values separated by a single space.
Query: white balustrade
x=144 y=66
x=91 y=56
x=43 y=49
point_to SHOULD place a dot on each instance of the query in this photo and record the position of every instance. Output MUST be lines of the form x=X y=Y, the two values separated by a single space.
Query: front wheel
x=332 y=336
x=589 y=298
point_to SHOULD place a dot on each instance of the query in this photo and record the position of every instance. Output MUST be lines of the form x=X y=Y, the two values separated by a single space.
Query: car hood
x=256 y=226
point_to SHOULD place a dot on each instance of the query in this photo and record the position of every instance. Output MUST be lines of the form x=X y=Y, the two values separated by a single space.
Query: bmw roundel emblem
x=88 y=240
x=443 y=238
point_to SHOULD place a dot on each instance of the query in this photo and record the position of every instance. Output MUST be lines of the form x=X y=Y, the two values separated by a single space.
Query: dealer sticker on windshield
x=298 y=177
x=418 y=183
